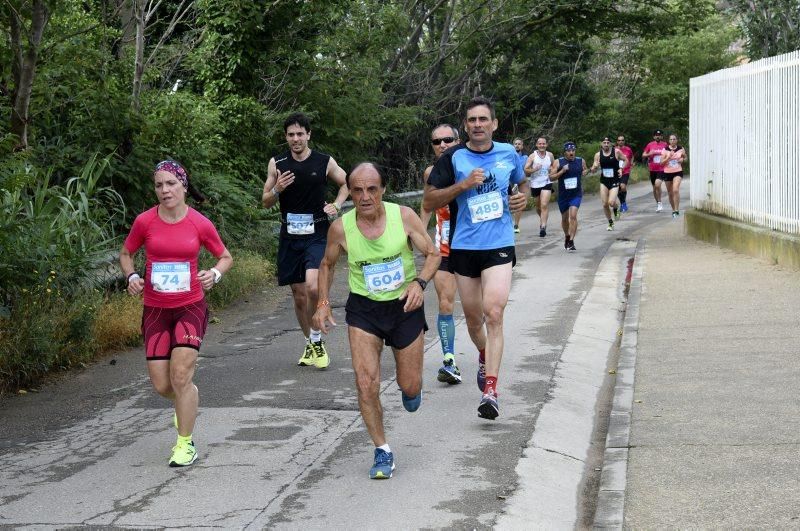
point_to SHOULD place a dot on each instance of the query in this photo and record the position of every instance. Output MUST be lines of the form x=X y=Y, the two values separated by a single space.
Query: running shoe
x=616 y=214
x=675 y=214
x=566 y=242
x=183 y=454
x=307 y=359
x=571 y=246
x=481 y=374
x=448 y=372
x=659 y=207
x=516 y=229
x=411 y=403
x=321 y=359
x=542 y=232
x=623 y=207
x=488 y=408
x=610 y=225
x=384 y=465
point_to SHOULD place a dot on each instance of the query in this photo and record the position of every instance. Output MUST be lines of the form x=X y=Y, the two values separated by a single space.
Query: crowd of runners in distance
x=476 y=188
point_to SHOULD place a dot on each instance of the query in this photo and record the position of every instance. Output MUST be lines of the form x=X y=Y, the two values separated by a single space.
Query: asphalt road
x=284 y=447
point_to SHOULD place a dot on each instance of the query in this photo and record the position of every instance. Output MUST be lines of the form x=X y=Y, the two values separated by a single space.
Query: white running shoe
x=659 y=207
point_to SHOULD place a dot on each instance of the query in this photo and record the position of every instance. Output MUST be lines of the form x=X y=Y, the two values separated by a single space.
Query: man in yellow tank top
x=386 y=296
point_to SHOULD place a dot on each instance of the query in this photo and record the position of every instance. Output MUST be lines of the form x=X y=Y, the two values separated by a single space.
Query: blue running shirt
x=480 y=218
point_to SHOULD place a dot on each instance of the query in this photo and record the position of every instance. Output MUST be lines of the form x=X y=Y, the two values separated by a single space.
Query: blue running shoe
x=623 y=207
x=448 y=372
x=384 y=465
x=411 y=403
x=481 y=374
x=488 y=408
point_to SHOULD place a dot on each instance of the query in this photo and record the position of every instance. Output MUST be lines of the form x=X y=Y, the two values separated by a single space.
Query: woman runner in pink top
x=673 y=156
x=175 y=311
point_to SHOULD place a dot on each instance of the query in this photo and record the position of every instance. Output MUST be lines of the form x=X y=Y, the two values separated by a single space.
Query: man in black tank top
x=297 y=180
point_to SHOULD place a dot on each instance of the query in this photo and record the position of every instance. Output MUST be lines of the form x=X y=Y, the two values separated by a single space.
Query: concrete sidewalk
x=708 y=433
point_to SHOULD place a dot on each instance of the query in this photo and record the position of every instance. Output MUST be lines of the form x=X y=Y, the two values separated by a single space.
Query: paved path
x=714 y=427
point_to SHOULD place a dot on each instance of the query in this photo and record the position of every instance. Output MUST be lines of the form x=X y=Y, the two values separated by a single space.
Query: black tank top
x=608 y=163
x=306 y=195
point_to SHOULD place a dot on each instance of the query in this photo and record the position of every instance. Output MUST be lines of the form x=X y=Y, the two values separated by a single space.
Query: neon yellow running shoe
x=321 y=359
x=183 y=454
x=307 y=359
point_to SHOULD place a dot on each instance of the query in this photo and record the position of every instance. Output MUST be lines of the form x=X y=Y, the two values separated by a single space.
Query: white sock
x=385 y=448
x=316 y=336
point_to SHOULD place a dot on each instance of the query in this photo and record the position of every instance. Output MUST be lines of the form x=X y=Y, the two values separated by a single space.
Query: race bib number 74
x=170 y=277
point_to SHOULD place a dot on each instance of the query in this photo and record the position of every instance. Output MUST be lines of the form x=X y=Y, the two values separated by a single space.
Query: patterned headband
x=175 y=169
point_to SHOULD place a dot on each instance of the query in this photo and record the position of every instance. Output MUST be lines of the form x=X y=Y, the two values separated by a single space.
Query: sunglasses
x=446 y=140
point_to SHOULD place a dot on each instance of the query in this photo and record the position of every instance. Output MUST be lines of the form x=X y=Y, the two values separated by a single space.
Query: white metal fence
x=744 y=133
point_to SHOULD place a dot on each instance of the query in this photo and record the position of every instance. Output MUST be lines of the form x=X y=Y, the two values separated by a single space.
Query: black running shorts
x=469 y=263
x=385 y=320
x=295 y=256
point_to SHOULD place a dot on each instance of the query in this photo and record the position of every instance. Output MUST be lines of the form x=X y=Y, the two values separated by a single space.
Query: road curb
x=610 y=511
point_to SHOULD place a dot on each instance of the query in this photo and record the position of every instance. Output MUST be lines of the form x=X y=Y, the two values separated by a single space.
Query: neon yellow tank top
x=380 y=269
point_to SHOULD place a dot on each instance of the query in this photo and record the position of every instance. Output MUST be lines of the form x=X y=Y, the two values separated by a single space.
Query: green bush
x=43 y=228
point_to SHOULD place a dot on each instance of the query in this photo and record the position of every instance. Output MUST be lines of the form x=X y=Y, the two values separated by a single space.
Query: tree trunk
x=138 y=68
x=24 y=67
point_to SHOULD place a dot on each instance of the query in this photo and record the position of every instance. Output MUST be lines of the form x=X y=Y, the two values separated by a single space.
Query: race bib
x=300 y=223
x=170 y=277
x=673 y=164
x=446 y=231
x=485 y=207
x=608 y=172
x=657 y=159
x=571 y=183
x=385 y=276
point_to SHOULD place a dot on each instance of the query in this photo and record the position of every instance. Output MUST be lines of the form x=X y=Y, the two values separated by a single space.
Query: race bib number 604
x=170 y=277
x=384 y=277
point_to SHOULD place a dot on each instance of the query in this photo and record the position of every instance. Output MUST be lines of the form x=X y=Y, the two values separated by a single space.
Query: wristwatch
x=423 y=283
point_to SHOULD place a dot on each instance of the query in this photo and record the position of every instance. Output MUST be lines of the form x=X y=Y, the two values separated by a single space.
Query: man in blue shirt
x=478 y=181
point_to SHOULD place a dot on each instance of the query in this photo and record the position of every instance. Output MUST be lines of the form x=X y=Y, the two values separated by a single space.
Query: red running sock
x=491 y=384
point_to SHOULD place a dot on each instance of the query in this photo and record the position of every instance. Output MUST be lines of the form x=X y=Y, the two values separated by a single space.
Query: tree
x=772 y=27
x=25 y=22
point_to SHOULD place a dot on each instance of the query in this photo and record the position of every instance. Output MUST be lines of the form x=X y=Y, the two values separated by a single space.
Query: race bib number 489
x=384 y=277
x=485 y=206
x=170 y=277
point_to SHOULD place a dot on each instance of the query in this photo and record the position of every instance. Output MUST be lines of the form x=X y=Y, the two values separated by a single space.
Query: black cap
x=657 y=132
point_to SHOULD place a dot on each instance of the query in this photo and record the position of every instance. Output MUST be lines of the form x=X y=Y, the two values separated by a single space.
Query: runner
x=673 y=156
x=537 y=166
x=626 y=172
x=569 y=170
x=442 y=137
x=175 y=312
x=474 y=178
x=386 y=296
x=653 y=153
x=519 y=147
x=609 y=160
x=298 y=179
